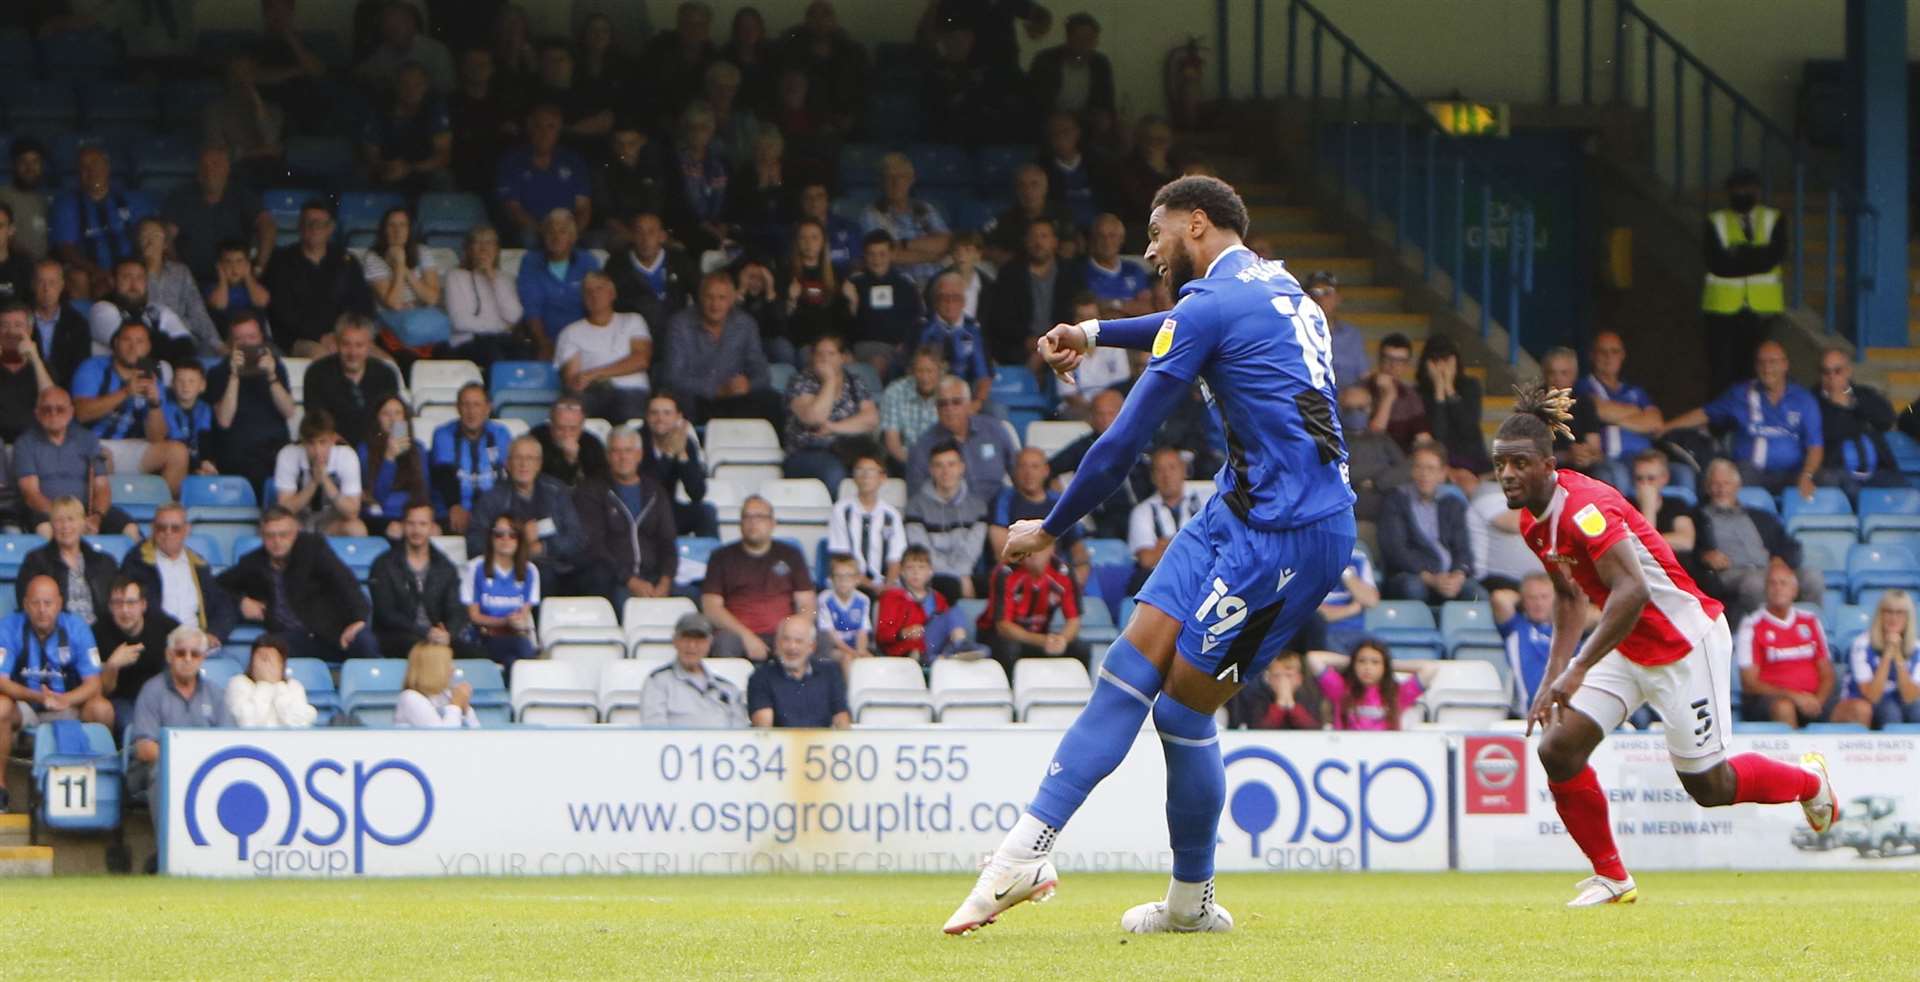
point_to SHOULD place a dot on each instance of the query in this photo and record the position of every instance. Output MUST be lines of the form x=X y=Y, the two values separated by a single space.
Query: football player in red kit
x=1660 y=641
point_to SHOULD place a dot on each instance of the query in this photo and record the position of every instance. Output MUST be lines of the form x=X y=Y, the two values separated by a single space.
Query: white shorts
x=1691 y=695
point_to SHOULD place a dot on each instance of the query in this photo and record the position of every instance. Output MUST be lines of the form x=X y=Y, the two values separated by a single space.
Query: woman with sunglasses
x=500 y=589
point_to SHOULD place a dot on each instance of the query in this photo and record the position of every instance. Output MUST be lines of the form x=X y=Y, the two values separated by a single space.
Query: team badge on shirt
x=1163 y=341
x=1590 y=521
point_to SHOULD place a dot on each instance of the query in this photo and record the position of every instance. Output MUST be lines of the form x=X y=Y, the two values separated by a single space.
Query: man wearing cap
x=1350 y=364
x=683 y=693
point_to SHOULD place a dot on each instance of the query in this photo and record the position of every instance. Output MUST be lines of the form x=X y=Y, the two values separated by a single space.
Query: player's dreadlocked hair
x=1539 y=414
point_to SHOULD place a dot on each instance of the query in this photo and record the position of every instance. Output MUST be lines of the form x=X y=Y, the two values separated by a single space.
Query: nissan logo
x=1494 y=765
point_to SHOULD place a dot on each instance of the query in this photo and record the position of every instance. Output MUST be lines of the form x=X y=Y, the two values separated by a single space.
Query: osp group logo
x=1328 y=817
x=318 y=824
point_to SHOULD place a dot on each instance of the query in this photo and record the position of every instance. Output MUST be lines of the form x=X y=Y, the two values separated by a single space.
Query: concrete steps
x=17 y=857
x=16 y=830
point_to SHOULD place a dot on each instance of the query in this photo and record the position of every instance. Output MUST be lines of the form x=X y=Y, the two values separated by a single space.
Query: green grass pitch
x=1319 y=926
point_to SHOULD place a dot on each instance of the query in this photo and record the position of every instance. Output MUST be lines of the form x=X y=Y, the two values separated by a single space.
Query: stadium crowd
x=412 y=347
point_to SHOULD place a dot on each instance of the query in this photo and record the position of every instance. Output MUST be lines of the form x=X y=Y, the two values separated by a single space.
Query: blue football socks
x=1099 y=739
x=1196 y=787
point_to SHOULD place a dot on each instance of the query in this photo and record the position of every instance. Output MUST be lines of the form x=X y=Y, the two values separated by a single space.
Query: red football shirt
x=1585 y=519
x=1783 y=650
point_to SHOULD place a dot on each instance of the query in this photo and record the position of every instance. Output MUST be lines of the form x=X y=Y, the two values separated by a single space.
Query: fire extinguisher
x=1185 y=79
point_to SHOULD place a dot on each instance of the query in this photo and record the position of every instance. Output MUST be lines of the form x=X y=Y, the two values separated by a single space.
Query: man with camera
x=123 y=396
x=23 y=373
x=251 y=402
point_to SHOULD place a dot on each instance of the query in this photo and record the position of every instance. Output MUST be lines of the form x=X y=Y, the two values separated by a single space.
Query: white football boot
x=1822 y=809
x=1003 y=883
x=1596 y=890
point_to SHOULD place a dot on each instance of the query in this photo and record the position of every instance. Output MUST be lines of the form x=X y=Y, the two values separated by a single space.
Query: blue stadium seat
x=219 y=671
x=524 y=383
x=41 y=103
x=165 y=155
x=71 y=800
x=371 y=684
x=893 y=115
x=219 y=499
x=1751 y=497
x=360 y=211
x=1742 y=726
x=1906 y=451
x=1845 y=728
x=489 y=684
x=1015 y=388
x=1096 y=624
x=1469 y=622
x=139 y=494
x=994 y=166
x=1403 y=625
x=314 y=676
x=692 y=547
x=322 y=160
x=284 y=205
x=116 y=546
x=1848 y=620
x=860 y=166
x=1826 y=550
x=938 y=165
x=1683 y=495
x=450 y=212
x=225 y=537
x=183 y=103
x=1878 y=566
x=358 y=551
x=18 y=59
x=1888 y=512
x=1109 y=552
x=1829 y=509
x=1869 y=598
x=92 y=53
x=970 y=213
x=528 y=413
x=14 y=547
x=129 y=102
x=242 y=545
x=209 y=549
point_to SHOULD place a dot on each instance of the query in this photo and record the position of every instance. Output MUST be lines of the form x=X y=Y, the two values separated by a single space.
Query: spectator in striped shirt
x=1022 y=613
x=1153 y=522
x=1883 y=667
x=845 y=616
x=867 y=530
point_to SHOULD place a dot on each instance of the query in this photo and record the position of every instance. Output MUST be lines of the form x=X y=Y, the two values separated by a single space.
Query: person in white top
x=483 y=304
x=265 y=696
x=318 y=479
x=603 y=358
x=1152 y=523
x=431 y=698
x=129 y=299
x=868 y=529
x=1099 y=371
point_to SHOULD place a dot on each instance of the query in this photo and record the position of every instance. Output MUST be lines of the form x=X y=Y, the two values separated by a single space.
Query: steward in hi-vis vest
x=1744 y=288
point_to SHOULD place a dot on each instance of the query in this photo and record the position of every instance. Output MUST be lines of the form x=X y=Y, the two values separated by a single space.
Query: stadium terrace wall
x=345 y=803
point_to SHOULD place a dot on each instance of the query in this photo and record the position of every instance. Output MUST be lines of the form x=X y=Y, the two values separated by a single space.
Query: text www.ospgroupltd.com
x=911 y=813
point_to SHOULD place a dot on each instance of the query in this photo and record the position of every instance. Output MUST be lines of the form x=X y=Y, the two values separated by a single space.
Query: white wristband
x=1090 y=328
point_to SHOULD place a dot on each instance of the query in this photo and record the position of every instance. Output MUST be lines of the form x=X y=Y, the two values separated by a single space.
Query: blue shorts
x=1242 y=593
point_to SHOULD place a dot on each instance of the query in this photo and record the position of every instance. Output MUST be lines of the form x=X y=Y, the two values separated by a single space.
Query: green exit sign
x=1471 y=118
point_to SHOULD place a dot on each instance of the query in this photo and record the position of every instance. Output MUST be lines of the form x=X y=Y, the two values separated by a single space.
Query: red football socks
x=1583 y=810
x=1768 y=781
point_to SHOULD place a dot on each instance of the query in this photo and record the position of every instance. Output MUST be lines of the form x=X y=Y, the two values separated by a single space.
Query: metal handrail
x=1393 y=114
x=1775 y=147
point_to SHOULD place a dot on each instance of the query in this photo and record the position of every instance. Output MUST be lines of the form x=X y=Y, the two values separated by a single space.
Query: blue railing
x=1711 y=129
x=1378 y=138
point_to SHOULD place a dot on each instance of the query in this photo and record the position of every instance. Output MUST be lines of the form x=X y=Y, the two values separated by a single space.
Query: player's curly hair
x=1540 y=414
x=1212 y=195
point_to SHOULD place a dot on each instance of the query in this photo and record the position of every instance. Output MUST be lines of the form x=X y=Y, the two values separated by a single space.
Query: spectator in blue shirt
x=467 y=456
x=1351 y=366
x=49 y=667
x=1777 y=440
x=1527 y=628
x=919 y=231
x=843 y=237
x=1344 y=610
x=92 y=226
x=798 y=689
x=409 y=146
x=1629 y=419
x=550 y=280
x=1123 y=286
x=501 y=588
x=534 y=180
x=1029 y=497
x=123 y=396
x=959 y=338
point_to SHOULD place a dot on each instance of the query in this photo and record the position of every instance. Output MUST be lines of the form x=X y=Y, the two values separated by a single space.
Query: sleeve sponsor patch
x=1163 y=341
x=1590 y=521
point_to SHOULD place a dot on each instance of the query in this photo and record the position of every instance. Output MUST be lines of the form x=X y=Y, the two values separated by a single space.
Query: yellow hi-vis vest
x=1760 y=292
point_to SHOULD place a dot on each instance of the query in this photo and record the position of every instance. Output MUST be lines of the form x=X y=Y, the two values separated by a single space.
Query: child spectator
x=867 y=530
x=1021 y=612
x=845 y=613
x=190 y=421
x=885 y=305
x=914 y=612
x=1284 y=698
x=1363 y=691
x=235 y=286
x=1527 y=628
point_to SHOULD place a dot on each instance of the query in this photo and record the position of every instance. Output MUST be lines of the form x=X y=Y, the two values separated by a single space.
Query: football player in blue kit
x=1235 y=583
